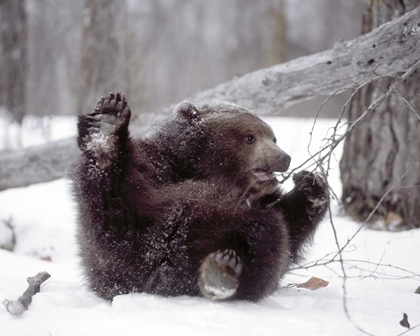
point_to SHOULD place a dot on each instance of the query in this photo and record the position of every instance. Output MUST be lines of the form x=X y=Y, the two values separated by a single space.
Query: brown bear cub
x=192 y=209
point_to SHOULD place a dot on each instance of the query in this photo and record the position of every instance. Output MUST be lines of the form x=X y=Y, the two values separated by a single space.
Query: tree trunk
x=13 y=63
x=102 y=59
x=383 y=153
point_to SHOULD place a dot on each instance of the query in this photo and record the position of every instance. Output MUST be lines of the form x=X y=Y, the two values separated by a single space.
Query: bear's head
x=224 y=140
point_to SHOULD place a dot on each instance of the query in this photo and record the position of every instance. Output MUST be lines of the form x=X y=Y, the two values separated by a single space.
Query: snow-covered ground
x=377 y=296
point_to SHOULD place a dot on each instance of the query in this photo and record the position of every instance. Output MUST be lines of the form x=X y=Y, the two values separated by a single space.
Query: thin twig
x=410 y=106
x=411 y=329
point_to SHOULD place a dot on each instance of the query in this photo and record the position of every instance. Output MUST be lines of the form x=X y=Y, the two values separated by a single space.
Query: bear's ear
x=187 y=110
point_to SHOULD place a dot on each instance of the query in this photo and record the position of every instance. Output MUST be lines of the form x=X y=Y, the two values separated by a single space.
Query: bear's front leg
x=99 y=176
x=303 y=208
x=99 y=188
x=104 y=132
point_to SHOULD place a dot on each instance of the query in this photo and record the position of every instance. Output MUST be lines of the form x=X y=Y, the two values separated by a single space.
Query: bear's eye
x=249 y=138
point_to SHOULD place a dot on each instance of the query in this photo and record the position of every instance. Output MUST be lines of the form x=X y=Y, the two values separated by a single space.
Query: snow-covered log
x=387 y=50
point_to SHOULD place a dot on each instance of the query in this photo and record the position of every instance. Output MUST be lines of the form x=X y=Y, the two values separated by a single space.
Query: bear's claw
x=314 y=187
x=310 y=184
x=219 y=275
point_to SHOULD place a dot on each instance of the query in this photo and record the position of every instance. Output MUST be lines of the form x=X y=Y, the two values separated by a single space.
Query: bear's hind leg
x=219 y=275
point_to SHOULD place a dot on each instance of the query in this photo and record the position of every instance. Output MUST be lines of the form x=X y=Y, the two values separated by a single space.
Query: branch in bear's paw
x=22 y=304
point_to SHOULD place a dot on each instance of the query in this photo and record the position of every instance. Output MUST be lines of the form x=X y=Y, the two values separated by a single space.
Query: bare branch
x=323 y=162
x=372 y=107
x=352 y=262
x=22 y=304
x=410 y=106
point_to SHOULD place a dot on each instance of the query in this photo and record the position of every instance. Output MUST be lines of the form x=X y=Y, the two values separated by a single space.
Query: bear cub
x=192 y=209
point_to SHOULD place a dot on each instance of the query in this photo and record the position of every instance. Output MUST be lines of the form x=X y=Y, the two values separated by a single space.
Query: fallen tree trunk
x=47 y=162
x=385 y=51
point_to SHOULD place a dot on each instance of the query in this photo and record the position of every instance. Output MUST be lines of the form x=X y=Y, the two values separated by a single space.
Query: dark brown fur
x=152 y=210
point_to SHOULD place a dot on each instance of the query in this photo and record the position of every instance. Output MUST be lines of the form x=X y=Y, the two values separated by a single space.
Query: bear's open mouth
x=262 y=175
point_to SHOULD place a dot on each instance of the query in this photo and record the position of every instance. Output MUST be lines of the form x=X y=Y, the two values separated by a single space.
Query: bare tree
x=54 y=34
x=102 y=54
x=180 y=47
x=13 y=63
x=381 y=160
x=334 y=20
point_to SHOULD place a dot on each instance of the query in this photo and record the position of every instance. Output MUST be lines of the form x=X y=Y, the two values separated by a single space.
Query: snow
x=6 y=236
x=377 y=296
x=34 y=131
x=98 y=141
x=220 y=293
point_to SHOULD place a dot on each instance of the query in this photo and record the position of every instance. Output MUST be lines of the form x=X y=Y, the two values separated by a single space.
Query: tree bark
x=265 y=91
x=384 y=152
x=13 y=61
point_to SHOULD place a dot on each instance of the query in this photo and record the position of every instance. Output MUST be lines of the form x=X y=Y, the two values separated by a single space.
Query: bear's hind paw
x=219 y=275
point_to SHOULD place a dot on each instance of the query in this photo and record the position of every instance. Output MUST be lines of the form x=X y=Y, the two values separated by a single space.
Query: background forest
x=57 y=57
x=156 y=51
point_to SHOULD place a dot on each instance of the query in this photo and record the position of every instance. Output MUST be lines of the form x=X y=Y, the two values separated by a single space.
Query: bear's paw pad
x=111 y=114
x=219 y=275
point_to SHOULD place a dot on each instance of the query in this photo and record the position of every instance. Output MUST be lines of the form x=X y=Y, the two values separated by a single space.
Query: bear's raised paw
x=110 y=116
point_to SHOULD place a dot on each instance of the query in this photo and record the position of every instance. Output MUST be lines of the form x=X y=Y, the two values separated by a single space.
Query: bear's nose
x=284 y=161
